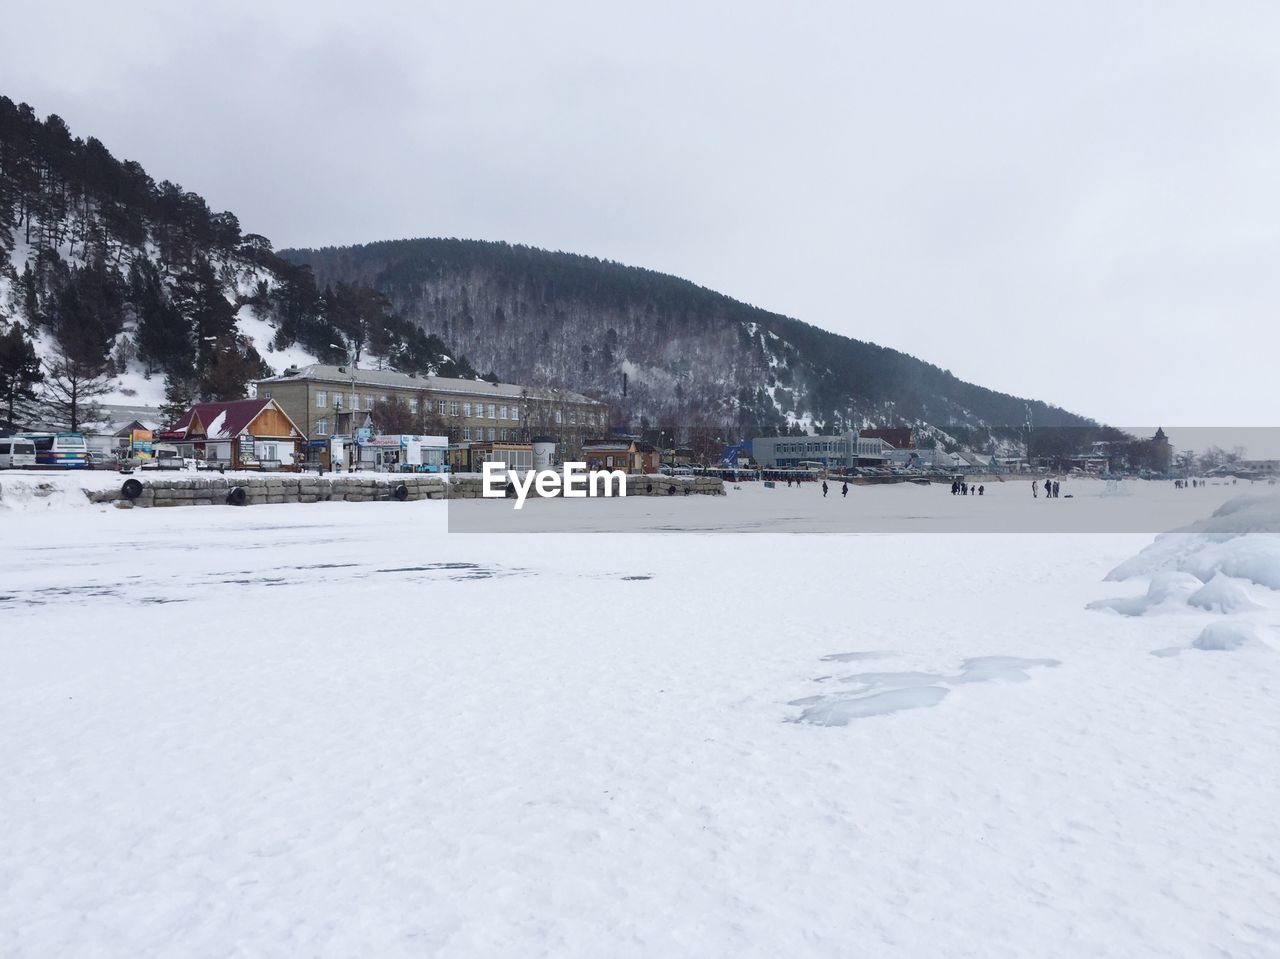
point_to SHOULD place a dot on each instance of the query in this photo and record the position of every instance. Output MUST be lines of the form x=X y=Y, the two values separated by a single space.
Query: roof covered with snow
x=224 y=419
x=436 y=384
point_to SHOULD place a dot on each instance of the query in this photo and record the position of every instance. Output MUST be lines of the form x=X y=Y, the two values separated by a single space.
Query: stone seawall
x=344 y=488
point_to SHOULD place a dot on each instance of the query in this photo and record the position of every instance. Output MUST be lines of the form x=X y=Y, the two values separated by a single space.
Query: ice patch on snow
x=896 y=680
x=877 y=694
x=983 y=669
x=841 y=711
x=855 y=656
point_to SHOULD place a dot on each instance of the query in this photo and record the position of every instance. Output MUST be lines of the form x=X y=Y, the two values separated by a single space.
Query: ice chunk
x=1252 y=557
x=1228 y=636
x=1222 y=594
x=1164 y=587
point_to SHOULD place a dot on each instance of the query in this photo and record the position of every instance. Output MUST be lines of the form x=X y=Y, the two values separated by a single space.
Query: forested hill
x=117 y=288
x=686 y=354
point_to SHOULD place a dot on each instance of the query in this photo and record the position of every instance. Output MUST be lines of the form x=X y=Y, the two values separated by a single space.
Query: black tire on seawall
x=401 y=492
x=131 y=489
x=236 y=496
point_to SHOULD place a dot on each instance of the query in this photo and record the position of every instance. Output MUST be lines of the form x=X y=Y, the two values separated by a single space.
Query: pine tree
x=162 y=335
x=233 y=365
x=20 y=372
x=180 y=394
x=206 y=311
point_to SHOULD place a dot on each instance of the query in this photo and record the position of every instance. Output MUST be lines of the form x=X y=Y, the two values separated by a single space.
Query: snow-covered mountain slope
x=134 y=291
x=658 y=346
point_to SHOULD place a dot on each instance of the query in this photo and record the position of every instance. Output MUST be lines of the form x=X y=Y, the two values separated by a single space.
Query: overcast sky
x=1077 y=202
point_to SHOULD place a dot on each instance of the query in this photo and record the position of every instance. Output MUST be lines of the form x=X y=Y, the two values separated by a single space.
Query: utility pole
x=1028 y=427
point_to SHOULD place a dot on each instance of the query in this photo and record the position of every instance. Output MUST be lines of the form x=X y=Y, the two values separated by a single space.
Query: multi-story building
x=329 y=401
x=831 y=452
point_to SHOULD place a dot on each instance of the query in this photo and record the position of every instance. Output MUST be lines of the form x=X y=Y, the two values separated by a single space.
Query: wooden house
x=630 y=456
x=238 y=434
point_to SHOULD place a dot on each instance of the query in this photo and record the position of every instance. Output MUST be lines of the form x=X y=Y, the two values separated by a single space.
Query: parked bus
x=16 y=452
x=60 y=450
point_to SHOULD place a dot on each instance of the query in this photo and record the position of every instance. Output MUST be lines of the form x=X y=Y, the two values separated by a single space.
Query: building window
x=515 y=412
x=413 y=404
x=492 y=434
x=441 y=407
x=337 y=401
x=368 y=401
x=557 y=416
x=502 y=412
x=466 y=432
x=355 y=401
x=493 y=412
x=322 y=427
x=383 y=398
x=573 y=418
x=322 y=400
x=466 y=409
x=453 y=408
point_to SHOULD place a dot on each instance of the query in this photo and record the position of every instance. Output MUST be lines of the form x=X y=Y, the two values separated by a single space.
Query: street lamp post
x=353 y=399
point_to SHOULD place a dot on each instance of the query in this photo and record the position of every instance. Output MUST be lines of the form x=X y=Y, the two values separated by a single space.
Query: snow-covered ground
x=340 y=730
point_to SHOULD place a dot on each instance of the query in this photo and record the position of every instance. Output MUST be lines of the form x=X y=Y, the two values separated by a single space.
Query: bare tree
x=70 y=393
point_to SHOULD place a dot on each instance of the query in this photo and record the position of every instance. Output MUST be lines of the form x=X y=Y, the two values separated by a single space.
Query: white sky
x=1076 y=202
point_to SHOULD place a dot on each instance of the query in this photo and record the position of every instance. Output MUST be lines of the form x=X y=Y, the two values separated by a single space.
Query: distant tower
x=1161 y=451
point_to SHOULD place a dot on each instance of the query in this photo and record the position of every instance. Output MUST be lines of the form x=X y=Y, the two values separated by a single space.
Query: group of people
x=844 y=489
x=1052 y=488
x=960 y=488
x=1188 y=483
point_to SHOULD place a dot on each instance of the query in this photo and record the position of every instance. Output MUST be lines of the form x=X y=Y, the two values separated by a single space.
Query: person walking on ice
x=844 y=489
x=824 y=489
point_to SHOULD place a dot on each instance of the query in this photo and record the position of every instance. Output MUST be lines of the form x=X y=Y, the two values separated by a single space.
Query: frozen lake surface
x=339 y=730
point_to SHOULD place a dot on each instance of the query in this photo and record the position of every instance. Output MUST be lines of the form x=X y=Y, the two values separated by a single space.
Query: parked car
x=98 y=460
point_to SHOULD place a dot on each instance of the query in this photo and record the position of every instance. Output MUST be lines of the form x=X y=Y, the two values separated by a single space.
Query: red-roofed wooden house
x=238 y=434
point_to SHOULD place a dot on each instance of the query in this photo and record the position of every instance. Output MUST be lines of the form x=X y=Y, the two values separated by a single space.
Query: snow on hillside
x=260 y=332
x=136 y=386
x=662 y=744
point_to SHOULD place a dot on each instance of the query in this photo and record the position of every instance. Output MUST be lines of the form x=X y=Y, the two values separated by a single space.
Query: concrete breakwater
x=344 y=488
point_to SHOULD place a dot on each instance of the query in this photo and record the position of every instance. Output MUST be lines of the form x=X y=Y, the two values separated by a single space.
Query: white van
x=165 y=457
x=16 y=453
